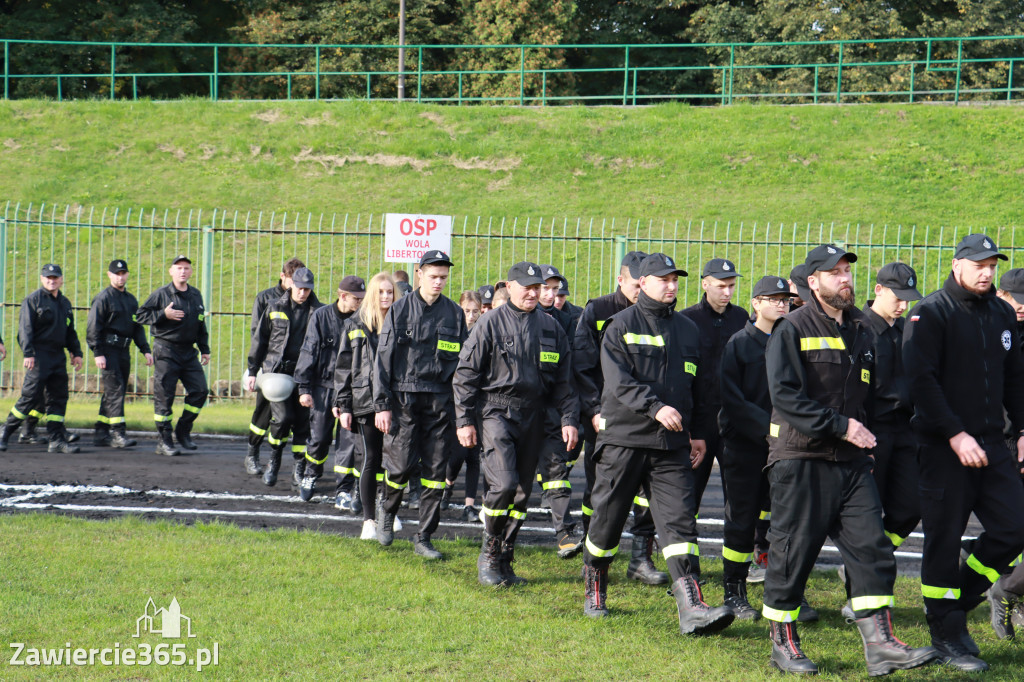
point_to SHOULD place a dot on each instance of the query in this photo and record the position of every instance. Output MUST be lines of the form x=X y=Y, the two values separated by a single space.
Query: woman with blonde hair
x=353 y=378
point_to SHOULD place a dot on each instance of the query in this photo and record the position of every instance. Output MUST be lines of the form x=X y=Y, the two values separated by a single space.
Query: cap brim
x=438 y=262
x=180 y=260
x=911 y=294
x=831 y=262
x=357 y=294
x=1018 y=297
x=724 y=274
x=985 y=254
x=529 y=281
x=803 y=292
x=667 y=271
x=775 y=292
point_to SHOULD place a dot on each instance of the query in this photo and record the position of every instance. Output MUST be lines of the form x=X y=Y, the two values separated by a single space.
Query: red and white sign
x=407 y=236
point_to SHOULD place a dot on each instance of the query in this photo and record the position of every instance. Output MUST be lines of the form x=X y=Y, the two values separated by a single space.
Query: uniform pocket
x=448 y=343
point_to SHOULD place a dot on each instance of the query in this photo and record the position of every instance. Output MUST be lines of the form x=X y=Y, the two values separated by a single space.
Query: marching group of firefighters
x=827 y=421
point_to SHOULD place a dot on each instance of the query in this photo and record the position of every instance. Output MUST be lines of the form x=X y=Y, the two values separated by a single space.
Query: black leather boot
x=947 y=638
x=787 y=655
x=595 y=591
x=488 y=564
x=183 y=432
x=736 y=600
x=273 y=466
x=252 y=461
x=695 y=616
x=885 y=653
x=508 y=555
x=385 y=523
x=641 y=566
x=165 y=446
x=118 y=439
x=5 y=436
x=422 y=546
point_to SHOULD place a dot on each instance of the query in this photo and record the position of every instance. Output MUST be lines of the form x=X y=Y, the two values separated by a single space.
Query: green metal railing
x=909 y=69
x=235 y=255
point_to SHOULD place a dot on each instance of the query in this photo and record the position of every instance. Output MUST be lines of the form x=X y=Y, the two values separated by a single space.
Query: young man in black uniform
x=964 y=365
x=649 y=358
x=744 y=419
x=275 y=349
x=820 y=360
x=486 y=297
x=110 y=331
x=515 y=367
x=46 y=327
x=177 y=320
x=412 y=394
x=563 y=303
x=260 y=421
x=589 y=383
x=314 y=374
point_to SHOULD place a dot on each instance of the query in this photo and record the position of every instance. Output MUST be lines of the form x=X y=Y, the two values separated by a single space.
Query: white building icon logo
x=170 y=621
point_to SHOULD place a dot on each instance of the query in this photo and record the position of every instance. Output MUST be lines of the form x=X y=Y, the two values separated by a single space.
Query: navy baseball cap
x=551 y=272
x=351 y=284
x=632 y=261
x=51 y=270
x=302 y=278
x=823 y=258
x=178 y=259
x=436 y=258
x=902 y=279
x=525 y=274
x=1012 y=282
x=720 y=268
x=797 y=277
x=977 y=247
x=117 y=266
x=771 y=286
x=659 y=265
x=486 y=293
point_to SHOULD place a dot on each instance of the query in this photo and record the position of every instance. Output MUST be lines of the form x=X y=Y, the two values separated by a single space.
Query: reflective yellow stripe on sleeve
x=822 y=343
x=644 y=340
x=356 y=334
x=600 y=324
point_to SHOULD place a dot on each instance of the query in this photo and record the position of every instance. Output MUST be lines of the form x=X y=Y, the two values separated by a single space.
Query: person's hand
x=149 y=359
x=858 y=434
x=306 y=400
x=1020 y=452
x=172 y=313
x=346 y=420
x=76 y=362
x=3 y=351
x=336 y=411
x=204 y=359
x=570 y=436
x=250 y=383
x=670 y=418
x=970 y=453
x=467 y=436
x=698 y=449
x=101 y=361
x=596 y=422
x=29 y=363
x=382 y=420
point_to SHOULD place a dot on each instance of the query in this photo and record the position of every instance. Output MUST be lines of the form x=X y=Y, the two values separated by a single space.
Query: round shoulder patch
x=1006 y=339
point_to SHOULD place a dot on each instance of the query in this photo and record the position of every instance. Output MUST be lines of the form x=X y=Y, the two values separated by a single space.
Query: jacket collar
x=753 y=332
x=954 y=289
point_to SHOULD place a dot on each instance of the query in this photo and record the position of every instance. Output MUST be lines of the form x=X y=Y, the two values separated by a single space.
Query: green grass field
x=225 y=417
x=283 y=604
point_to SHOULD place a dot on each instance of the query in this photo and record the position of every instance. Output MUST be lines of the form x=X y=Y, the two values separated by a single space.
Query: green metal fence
x=910 y=69
x=235 y=255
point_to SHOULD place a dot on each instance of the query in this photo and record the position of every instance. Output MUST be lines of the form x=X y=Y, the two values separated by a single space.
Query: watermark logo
x=170 y=620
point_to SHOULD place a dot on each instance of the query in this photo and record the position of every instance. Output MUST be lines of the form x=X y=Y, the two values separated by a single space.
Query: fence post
x=839 y=75
x=959 y=64
x=113 y=69
x=216 y=73
x=625 y=78
x=318 y=73
x=207 y=283
x=618 y=253
x=522 y=75
x=3 y=281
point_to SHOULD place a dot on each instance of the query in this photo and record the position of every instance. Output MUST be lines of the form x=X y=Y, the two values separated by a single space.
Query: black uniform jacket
x=279 y=335
x=518 y=359
x=715 y=330
x=319 y=353
x=112 y=324
x=419 y=348
x=892 y=391
x=649 y=359
x=746 y=404
x=964 y=365
x=587 y=349
x=46 y=324
x=819 y=376
x=574 y=312
x=188 y=331
x=353 y=374
x=259 y=306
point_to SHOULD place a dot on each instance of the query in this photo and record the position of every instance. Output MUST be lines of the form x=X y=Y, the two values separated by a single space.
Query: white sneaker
x=369 y=530
x=398 y=524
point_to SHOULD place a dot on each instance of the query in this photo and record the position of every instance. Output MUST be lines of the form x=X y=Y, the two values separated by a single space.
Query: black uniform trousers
x=896 y=474
x=746 y=503
x=260 y=421
x=949 y=493
x=324 y=430
x=553 y=472
x=668 y=476
x=643 y=522
x=46 y=384
x=115 y=385
x=289 y=417
x=816 y=499
x=173 y=364
x=372 y=473
x=471 y=458
x=511 y=440
x=422 y=430
x=702 y=474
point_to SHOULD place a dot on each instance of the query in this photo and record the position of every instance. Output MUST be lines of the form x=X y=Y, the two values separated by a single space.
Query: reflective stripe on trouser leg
x=115 y=383
x=259 y=423
x=510 y=443
x=321 y=426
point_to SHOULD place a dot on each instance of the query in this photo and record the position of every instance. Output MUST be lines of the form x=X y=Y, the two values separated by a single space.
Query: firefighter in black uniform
x=563 y=303
x=419 y=349
x=744 y=418
x=110 y=331
x=718 y=319
x=516 y=363
x=275 y=349
x=314 y=374
x=649 y=358
x=46 y=327
x=177 y=320
x=964 y=365
x=260 y=421
x=486 y=297
x=820 y=361
x=589 y=383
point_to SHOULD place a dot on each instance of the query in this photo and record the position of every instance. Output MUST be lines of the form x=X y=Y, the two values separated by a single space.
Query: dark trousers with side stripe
x=896 y=475
x=511 y=439
x=817 y=499
x=115 y=384
x=673 y=504
x=46 y=384
x=553 y=472
x=171 y=365
x=289 y=417
x=422 y=432
x=746 y=487
x=259 y=423
x=643 y=522
x=372 y=472
x=950 y=492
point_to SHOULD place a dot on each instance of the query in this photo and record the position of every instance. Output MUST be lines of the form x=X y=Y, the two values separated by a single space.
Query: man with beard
x=964 y=365
x=820 y=361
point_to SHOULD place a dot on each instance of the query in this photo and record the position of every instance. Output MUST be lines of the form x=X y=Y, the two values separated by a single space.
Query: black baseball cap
x=632 y=261
x=902 y=279
x=797 y=276
x=525 y=274
x=350 y=284
x=302 y=278
x=51 y=270
x=771 y=285
x=436 y=258
x=1012 y=282
x=823 y=258
x=117 y=266
x=564 y=289
x=720 y=268
x=977 y=247
x=551 y=272
x=659 y=265
x=178 y=259
x=486 y=293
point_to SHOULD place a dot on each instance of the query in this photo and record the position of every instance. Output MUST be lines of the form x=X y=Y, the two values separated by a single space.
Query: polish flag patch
x=915 y=318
